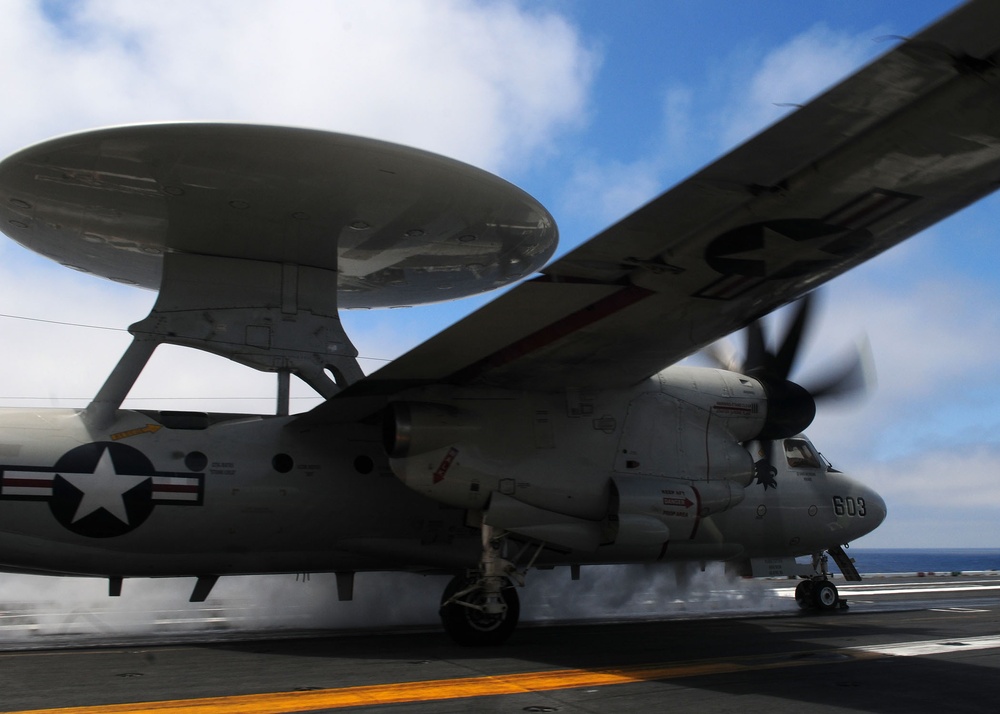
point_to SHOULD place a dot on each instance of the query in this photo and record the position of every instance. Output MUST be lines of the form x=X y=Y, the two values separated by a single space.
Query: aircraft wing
x=903 y=143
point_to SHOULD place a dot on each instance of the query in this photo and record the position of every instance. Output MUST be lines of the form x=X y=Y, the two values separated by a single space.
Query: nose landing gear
x=816 y=592
x=819 y=594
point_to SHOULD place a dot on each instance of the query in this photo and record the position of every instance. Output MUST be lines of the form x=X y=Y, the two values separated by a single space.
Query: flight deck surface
x=905 y=644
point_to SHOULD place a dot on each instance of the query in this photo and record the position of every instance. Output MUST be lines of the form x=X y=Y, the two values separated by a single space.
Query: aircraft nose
x=870 y=508
x=877 y=505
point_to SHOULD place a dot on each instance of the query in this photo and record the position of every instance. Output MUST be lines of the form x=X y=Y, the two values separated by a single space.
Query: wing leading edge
x=903 y=143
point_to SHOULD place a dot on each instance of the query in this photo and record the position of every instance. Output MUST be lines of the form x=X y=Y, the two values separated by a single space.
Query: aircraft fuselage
x=176 y=494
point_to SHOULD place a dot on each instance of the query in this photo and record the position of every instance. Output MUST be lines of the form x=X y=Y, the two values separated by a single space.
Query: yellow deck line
x=442 y=689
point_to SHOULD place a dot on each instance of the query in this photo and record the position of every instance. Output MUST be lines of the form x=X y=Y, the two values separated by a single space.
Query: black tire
x=825 y=596
x=804 y=594
x=470 y=627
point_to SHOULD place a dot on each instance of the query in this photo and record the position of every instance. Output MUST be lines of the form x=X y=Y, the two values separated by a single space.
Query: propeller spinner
x=791 y=407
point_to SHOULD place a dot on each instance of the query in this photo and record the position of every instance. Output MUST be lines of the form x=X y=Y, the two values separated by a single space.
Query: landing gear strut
x=481 y=607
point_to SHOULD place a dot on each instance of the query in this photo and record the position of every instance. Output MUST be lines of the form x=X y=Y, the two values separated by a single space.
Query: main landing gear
x=481 y=607
x=478 y=612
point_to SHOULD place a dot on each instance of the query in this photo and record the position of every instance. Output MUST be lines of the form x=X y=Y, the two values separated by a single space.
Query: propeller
x=791 y=406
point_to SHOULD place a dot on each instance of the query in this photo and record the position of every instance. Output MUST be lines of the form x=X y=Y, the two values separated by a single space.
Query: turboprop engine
x=635 y=467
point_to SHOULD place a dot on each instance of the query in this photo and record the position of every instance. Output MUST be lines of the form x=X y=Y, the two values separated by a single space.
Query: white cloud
x=493 y=83
x=490 y=83
x=962 y=477
x=603 y=192
x=696 y=124
x=678 y=120
x=927 y=342
x=791 y=75
x=946 y=497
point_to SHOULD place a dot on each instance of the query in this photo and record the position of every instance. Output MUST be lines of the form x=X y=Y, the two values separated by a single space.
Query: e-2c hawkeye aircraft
x=553 y=427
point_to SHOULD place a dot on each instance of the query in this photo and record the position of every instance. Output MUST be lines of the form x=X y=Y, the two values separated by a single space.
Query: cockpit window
x=800 y=454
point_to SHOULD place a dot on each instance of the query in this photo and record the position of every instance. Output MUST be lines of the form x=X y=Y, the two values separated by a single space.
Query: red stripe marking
x=549 y=334
x=697 y=514
x=175 y=488
x=27 y=482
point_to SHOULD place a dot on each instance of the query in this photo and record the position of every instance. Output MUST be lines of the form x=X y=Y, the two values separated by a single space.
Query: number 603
x=849 y=506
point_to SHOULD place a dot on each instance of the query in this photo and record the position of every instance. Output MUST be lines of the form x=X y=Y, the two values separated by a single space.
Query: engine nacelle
x=558 y=452
x=690 y=428
x=650 y=510
x=731 y=402
x=413 y=428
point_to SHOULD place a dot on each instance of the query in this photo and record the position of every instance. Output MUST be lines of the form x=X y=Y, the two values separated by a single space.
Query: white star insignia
x=104 y=488
x=779 y=251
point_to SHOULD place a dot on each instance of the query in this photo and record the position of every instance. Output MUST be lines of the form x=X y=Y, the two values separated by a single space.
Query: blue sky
x=592 y=107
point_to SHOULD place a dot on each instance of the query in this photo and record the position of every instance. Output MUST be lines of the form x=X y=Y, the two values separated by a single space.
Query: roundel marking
x=101 y=490
x=783 y=248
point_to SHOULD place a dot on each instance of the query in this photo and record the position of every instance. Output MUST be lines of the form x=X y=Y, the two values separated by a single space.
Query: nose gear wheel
x=817 y=592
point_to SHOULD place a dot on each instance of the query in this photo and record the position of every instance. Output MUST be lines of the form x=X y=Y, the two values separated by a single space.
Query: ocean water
x=942 y=561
